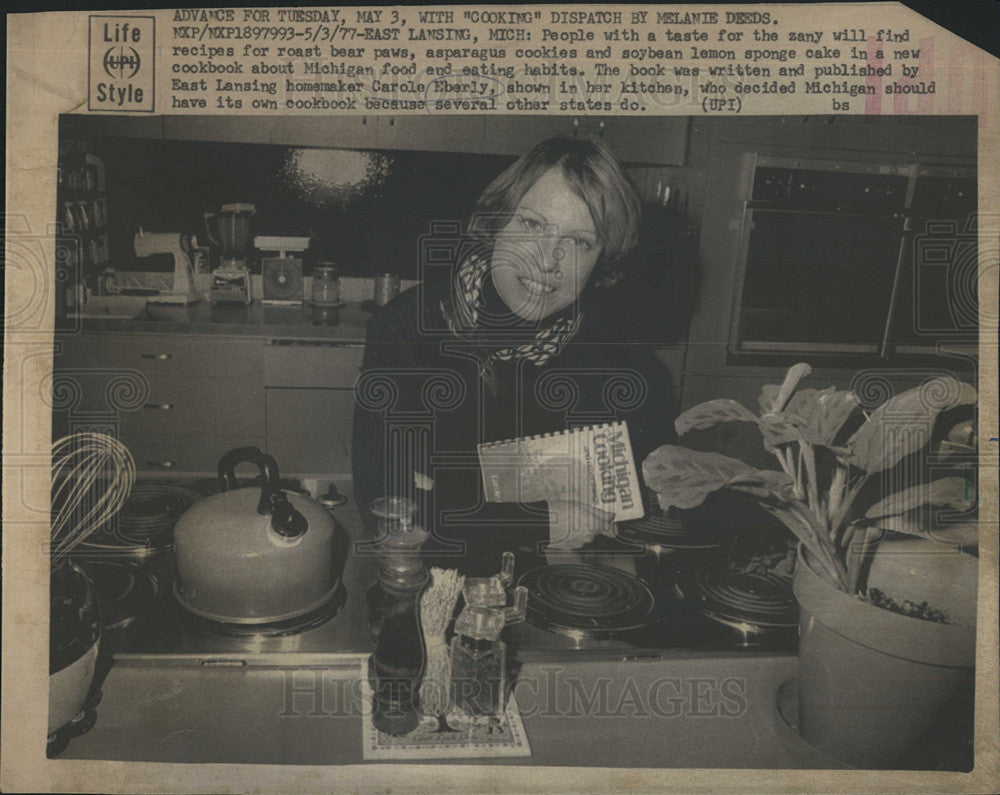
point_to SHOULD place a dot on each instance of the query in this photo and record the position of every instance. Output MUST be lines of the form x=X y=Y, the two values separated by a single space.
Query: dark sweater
x=421 y=406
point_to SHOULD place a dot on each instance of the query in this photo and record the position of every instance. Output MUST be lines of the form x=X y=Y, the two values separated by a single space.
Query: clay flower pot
x=874 y=683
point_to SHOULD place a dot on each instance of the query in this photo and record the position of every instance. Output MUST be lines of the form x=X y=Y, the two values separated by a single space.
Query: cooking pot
x=256 y=554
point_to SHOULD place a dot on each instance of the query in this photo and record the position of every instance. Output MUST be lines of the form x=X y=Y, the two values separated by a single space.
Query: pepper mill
x=401 y=572
x=394 y=620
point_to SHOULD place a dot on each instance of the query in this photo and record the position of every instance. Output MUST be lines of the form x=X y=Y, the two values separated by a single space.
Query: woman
x=509 y=344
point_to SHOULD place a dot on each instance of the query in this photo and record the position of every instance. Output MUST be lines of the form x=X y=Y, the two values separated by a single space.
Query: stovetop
x=655 y=609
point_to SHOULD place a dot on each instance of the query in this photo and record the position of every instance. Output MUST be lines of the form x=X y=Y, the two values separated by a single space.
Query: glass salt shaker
x=478 y=656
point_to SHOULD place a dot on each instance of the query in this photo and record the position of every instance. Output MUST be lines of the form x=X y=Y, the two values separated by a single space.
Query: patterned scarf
x=468 y=295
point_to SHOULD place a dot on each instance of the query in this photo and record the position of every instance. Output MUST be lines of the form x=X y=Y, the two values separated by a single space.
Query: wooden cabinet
x=432 y=133
x=310 y=405
x=233 y=129
x=515 y=135
x=635 y=139
x=309 y=430
x=180 y=401
x=660 y=140
x=328 y=132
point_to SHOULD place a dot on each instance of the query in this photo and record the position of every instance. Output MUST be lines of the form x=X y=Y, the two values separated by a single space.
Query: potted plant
x=887 y=630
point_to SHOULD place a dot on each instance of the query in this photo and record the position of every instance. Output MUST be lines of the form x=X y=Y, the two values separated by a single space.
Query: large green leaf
x=954 y=492
x=768 y=393
x=779 y=428
x=821 y=413
x=902 y=425
x=683 y=478
x=774 y=397
x=766 y=484
x=713 y=412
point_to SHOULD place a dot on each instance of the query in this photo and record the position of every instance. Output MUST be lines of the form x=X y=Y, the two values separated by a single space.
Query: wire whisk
x=92 y=476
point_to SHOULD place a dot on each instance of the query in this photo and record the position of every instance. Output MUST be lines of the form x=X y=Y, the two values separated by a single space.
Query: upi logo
x=121 y=69
x=122 y=62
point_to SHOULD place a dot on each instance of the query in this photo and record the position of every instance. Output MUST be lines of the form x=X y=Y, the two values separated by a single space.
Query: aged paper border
x=46 y=76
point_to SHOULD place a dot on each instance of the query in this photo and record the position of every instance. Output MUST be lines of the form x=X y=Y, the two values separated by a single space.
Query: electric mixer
x=172 y=243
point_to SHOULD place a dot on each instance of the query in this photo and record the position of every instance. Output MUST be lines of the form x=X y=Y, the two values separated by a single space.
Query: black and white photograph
x=501 y=398
x=626 y=442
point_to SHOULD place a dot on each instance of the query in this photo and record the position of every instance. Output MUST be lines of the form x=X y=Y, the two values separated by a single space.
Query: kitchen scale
x=282 y=283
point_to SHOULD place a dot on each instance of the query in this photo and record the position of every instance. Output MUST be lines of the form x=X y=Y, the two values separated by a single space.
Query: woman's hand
x=573 y=524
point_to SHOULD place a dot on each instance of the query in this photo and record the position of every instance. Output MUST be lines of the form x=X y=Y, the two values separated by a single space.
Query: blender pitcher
x=229 y=230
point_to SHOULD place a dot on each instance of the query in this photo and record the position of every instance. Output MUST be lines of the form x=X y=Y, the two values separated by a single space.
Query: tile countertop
x=683 y=713
x=255 y=321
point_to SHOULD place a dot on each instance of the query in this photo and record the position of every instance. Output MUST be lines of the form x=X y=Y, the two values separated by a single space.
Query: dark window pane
x=818 y=277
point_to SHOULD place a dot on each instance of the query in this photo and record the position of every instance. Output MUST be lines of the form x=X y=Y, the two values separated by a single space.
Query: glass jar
x=325 y=286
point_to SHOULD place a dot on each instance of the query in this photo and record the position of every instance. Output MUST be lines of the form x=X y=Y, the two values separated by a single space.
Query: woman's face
x=544 y=256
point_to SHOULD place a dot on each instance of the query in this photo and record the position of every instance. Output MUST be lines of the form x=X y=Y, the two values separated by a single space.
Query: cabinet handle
x=163 y=406
x=160 y=356
x=164 y=464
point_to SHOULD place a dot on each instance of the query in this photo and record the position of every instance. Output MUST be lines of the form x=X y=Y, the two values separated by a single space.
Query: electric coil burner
x=732 y=596
x=145 y=524
x=756 y=609
x=663 y=534
x=586 y=600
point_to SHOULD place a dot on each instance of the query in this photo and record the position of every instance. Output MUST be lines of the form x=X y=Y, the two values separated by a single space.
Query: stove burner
x=198 y=625
x=145 y=524
x=124 y=589
x=586 y=599
x=660 y=532
x=737 y=597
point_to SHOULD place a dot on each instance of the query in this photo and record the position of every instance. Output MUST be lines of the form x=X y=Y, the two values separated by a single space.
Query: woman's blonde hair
x=593 y=173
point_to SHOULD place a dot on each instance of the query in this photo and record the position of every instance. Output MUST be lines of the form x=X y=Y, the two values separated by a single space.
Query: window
x=856 y=259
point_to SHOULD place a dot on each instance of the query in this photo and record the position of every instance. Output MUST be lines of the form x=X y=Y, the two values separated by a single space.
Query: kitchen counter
x=701 y=712
x=255 y=321
x=297 y=700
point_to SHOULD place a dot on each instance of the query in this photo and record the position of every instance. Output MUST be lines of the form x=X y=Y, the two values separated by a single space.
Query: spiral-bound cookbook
x=591 y=464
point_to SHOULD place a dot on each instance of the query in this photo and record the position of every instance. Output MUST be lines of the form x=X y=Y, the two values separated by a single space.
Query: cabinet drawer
x=164 y=354
x=322 y=365
x=190 y=452
x=227 y=406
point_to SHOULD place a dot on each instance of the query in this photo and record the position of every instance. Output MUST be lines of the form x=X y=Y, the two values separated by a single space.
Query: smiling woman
x=510 y=342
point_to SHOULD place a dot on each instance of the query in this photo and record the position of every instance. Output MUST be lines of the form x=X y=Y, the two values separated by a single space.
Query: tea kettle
x=256 y=554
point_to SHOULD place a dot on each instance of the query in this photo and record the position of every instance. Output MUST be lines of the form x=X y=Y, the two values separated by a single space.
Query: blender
x=229 y=230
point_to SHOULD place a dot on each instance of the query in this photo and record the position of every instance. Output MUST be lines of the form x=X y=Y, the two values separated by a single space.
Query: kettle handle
x=285 y=520
x=254 y=455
